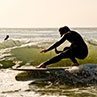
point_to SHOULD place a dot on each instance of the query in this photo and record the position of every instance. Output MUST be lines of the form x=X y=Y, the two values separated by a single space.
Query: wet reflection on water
x=47 y=88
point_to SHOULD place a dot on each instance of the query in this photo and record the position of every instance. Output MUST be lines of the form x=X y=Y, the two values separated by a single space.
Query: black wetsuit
x=77 y=49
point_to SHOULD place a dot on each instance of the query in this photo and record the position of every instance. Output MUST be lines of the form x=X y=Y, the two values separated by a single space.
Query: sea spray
x=82 y=75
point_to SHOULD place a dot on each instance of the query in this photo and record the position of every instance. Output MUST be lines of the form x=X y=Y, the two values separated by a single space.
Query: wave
x=11 y=43
x=21 y=43
x=28 y=51
x=92 y=41
x=24 y=43
x=83 y=75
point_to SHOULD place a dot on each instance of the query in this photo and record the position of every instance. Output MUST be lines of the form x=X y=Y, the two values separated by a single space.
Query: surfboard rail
x=38 y=69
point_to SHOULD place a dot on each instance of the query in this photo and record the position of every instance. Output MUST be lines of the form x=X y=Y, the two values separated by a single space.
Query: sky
x=48 y=13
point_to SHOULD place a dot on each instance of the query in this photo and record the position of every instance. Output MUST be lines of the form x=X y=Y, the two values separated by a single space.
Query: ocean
x=22 y=49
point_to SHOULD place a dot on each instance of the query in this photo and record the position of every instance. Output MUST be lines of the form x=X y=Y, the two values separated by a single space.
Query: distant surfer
x=77 y=49
x=7 y=36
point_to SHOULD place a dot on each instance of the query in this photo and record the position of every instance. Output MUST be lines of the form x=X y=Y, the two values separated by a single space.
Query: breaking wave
x=82 y=75
x=28 y=51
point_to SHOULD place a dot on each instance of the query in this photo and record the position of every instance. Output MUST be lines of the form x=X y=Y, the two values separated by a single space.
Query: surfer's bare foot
x=75 y=64
x=41 y=66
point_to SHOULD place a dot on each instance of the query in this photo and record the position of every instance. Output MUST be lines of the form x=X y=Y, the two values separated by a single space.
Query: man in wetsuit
x=77 y=49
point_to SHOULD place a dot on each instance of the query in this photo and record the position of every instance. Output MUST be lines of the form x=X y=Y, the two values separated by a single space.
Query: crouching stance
x=77 y=49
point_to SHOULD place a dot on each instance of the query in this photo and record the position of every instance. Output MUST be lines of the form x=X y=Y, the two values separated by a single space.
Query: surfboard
x=84 y=74
x=36 y=74
x=40 y=69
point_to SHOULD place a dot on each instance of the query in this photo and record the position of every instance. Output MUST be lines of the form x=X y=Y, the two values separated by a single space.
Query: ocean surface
x=22 y=49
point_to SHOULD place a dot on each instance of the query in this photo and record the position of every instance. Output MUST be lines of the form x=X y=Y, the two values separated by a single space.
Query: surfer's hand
x=43 y=51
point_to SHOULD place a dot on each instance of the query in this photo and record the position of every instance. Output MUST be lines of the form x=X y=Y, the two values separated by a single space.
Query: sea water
x=22 y=49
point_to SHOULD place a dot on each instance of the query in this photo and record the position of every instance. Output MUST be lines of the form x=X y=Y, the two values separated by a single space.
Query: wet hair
x=64 y=29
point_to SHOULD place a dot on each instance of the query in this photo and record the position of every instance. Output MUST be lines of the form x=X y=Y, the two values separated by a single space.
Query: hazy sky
x=48 y=13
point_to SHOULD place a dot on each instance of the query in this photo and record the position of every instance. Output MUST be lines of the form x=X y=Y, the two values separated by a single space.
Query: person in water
x=77 y=49
x=7 y=36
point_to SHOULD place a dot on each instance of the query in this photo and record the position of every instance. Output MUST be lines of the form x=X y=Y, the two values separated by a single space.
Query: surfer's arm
x=56 y=51
x=55 y=45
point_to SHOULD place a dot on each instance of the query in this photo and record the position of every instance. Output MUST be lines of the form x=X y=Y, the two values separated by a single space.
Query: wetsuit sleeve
x=57 y=43
x=56 y=51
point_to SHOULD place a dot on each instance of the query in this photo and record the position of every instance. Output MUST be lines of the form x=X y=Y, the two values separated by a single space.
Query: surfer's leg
x=75 y=63
x=51 y=61
x=65 y=54
x=54 y=59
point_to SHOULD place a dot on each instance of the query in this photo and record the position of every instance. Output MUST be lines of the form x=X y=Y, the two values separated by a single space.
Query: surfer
x=7 y=36
x=77 y=49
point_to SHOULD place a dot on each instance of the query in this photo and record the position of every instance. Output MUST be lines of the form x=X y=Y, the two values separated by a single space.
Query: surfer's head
x=63 y=30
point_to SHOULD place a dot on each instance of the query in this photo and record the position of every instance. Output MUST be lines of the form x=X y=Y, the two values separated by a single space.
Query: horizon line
x=42 y=27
